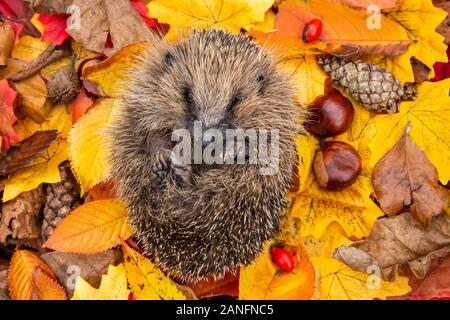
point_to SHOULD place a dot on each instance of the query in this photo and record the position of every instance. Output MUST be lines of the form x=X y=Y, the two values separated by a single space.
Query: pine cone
x=377 y=89
x=61 y=198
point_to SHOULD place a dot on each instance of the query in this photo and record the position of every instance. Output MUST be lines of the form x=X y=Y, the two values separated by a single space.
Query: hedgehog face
x=221 y=80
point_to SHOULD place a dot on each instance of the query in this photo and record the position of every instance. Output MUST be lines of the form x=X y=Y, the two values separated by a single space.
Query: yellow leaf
x=339 y=282
x=429 y=117
x=112 y=287
x=89 y=144
x=148 y=282
x=29 y=48
x=307 y=77
x=231 y=15
x=351 y=207
x=20 y=274
x=93 y=227
x=113 y=73
x=307 y=146
x=45 y=167
x=46 y=287
x=420 y=18
x=265 y=26
x=260 y=280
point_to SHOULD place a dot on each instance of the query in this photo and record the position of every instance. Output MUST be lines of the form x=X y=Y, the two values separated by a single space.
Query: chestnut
x=337 y=165
x=330 y=115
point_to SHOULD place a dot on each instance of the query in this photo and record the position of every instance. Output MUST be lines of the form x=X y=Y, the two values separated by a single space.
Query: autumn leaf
x=364 y=4
x=339 y=282
x=112 y=73
x=231 y=15
x=46 y=287
x=54 y=27
x=345 y=30
x=29 y=48
x=20 y=275
x=112 y=287
x=81 y=104
x=429 y=116
x=92 y=227
x=46 y=166
x=7 y=116
x=208 y=288
x=7 y=39
x=420 y=19
x=260 y=280
x=89 y=144
x=404 y=178
x=146 y=281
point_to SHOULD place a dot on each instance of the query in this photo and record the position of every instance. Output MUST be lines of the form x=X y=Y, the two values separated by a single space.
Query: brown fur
x=220 y=220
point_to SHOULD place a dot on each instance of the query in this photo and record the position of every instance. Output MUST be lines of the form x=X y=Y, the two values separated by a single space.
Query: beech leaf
x=46 y=287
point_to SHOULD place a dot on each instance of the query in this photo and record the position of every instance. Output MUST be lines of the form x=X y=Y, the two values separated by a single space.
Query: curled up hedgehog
x=197 y=219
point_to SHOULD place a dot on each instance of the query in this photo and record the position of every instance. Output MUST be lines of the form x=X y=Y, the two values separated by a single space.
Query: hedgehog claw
x=160 y=169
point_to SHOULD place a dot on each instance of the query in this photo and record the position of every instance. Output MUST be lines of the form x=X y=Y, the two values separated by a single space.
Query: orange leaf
x=93 y=227
x=20 y=274
x=81 y=104
x=345 y=30
x=228 y=286
x=103 y=191
x=54 y=27
x=7 y=117
x=45 y=287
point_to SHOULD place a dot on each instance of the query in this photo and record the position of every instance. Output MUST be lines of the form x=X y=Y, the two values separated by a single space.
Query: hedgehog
x=197 y=220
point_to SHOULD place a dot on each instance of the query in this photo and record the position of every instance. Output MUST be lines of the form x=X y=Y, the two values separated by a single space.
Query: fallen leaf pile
x=386 y=236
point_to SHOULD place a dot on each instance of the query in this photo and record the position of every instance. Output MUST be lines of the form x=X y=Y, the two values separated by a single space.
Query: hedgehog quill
x=199 y=220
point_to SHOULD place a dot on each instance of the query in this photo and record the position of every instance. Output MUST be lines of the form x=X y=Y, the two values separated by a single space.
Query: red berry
x=282 y=258
x=312 y=30
x=131 y=296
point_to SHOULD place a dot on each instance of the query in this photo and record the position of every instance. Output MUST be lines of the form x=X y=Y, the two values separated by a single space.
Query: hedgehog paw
x=160 y=169
x=182 y=172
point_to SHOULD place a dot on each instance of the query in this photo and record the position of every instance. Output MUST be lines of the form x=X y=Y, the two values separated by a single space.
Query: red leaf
x=54 y=27
x=19 y=13
x=81 y=104
x=143 y=11
x=435 y=286
x=7 y=117
x=442 y=69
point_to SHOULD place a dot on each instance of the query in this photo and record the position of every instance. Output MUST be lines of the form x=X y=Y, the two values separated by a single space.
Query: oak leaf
x=46 y=287
x=146 y=281
x=404 y=178
x=429 y=116
x=399 y=240
x=261 y=281
x=20 y=274
x=113 y=286
x=89 y=144
x=230 y=15
x=339 y=282
x=90 y=228
x=46 y=166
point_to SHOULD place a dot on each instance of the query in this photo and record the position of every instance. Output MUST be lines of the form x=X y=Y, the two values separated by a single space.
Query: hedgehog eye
x=188 y=96
x=262 y=81
x=233 y=103
x=168 y=59
x=261 y=78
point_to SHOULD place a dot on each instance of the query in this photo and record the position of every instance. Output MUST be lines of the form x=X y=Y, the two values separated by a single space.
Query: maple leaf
x=146 y=281
x=89 y=144
x=345 y=30
x=20 y=274
x=429 y=116
x=7 y=116
x=46 y=287
x=230 y=15
x=260 y=280
x=420 y=19
x=339 y=282
x=112 y=73
x=112 y=287
x=54 y=27
x=46 y=166
x=92 y=227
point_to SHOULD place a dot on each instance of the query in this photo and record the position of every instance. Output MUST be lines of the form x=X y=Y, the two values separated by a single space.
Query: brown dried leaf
x=397 y=241
x=20 y=216
x=4 y=280
x=118 y=18
x=67 y=266
x=405 y=178
x=26 y=152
